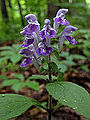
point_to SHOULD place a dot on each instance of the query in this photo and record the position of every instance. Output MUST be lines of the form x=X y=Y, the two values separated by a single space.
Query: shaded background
x=74 y=59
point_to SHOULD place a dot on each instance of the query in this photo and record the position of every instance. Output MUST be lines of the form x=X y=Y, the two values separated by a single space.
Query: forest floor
x=63 y=113
x=81 y=78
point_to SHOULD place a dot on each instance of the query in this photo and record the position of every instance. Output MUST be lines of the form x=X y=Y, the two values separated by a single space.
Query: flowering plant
x=36 y=46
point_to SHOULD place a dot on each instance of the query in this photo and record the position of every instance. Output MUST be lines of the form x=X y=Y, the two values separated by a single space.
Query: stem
x=49 y=107
x=49 y=70
x=50 y=97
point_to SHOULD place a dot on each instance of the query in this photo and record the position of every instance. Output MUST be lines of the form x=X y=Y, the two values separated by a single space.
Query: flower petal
x=26 y=62
x=38 y=51
x=50 y=33
x=69 y=29
x=64 y=22
x=27 y=42
x=31 y=18
x=42 y=33
x=33 y=27
x=64 y=11
x=47 y=31
x=23 y=32
x=45 y=50
x=43 y=40
x=57 y=19
x=71 y=39
x=46 y=21
x=26 y=53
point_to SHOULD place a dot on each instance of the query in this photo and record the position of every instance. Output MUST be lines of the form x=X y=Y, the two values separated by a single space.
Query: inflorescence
x=38 y=42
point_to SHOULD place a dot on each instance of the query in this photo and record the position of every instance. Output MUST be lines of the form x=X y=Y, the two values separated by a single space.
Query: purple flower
x=26 y=62
x=47 y=31
x=69 y=29
x=44 y=50
x=65 y=35
x=27 y=42
x=33 y=27
x=29 y=57
x=31 y=18
x=26 y=52
x=71 y=39
x=31 y=39
x=64 y=11
x=29 y=54
x=59 y=19
x=32 y=34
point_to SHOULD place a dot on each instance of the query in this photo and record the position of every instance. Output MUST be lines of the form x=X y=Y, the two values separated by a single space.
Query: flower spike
x=33 y=49
x=47 y=31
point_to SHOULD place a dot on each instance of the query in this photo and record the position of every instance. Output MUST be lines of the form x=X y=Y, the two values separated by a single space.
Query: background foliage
x=73 y=59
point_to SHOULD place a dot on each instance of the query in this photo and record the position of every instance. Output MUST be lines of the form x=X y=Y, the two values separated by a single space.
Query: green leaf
x=16 y=46
x=33 y=85
x=15 y=58
x=45 y=77
x=64 y=54
x=9 y=82
x=18 y=86
x=86 y=52
x=60 y=76
x=56 y=53
x=3 y=77
x=19 y=76
x=6 y=53
x=12 y=105
x=68 y=62
x=76 y=56
x=85 y=68
x=42 y=70
x=60 y=65
x=54 y=77
x=6 y=48
x=45 y=66
x=2 y=59
x=54 y=67
x=71 y=95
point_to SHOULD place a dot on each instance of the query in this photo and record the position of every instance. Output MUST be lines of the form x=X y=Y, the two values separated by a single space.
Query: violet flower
x=33 y=25
x=44 y=49
x=65 y=35
x=29 y=57
x=31 y=18
x=47 y=31
x=28 y=41
x=33 y=49
x=29 y=54
x=59 y=19
x=31 y=39
x=30 y=31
